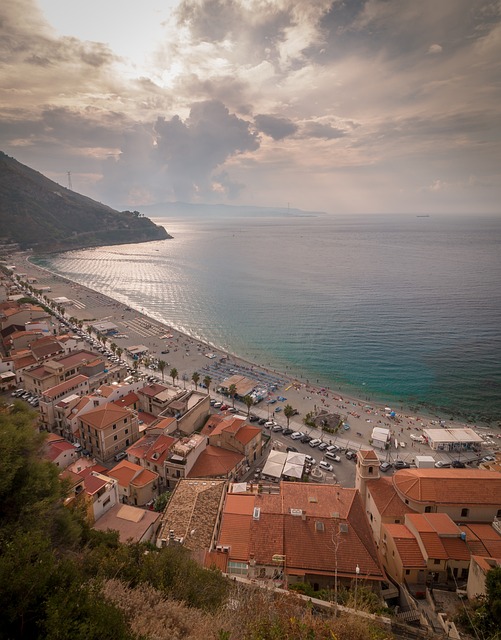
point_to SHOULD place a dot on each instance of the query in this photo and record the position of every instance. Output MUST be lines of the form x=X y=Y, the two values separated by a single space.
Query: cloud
x=275 y=127
x=320 y=130
x=434 y=49
x=176 y=159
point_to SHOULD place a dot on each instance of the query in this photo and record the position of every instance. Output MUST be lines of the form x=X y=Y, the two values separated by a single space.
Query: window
x=498 y=515
x=407 y=572
x=126 y=431
x=238 y=568
x=436 y=561
x=427 y=509
x=371 y=470
x=114 y=427
x=115 y=437
x=464 y=513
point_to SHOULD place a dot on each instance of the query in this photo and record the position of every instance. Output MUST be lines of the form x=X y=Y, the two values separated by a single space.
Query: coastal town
x=269 y=478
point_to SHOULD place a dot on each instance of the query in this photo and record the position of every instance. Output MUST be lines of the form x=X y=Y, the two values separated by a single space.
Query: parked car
x=306 y=438
x=323 y=446
x=310 y=460
x=278 y=409
x=120 y=456
x=315 y=442
x=277 y=427
x=333 y=456
x=325 y=466
x=292 y=449
x=385 y=466
x=332 y=448
x=441 y=464
x=253 y=418
x=351 y=455
x=457 y=464
x=287 y=431
x=297 y=435
x=488 y=459
x=269 y=424
x=217 y=405
x=262 y=421
x=401 y=464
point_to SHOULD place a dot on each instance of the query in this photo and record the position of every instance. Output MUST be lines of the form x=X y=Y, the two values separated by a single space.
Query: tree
x=248 y=402
x=173 y=374
x=185 y=380
x=207 y=383
x=89 y=329
x=196 y=378
x=288 y=413
x=232 y=392
x=119 y=352
x=113 y=347
x=161 y=367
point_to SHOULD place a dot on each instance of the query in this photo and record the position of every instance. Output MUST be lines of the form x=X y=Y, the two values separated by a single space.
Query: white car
x=325 y=466
x=310 y=460
x=332 y=456
x=441 y=464
x=296 y=435
x=315 y=442
x=332 y=448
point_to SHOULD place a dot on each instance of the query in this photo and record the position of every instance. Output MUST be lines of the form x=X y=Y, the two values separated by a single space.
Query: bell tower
x=368 y=465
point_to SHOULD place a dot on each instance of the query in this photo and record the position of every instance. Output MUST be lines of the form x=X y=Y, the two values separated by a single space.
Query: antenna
x=70 y=186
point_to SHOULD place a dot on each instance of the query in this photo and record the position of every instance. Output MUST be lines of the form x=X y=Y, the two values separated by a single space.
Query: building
x=136 y=486
x=214 y=462
x=108 y=430
x=466 y=495
x=56 y=370
x=316 y=534
x=235 y=434
x=132 y=523
x=453 y=440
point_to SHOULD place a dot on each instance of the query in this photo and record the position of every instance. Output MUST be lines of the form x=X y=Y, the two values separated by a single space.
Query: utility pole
x=70 y=186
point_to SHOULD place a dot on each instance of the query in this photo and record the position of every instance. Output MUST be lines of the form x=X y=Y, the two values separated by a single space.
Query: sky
x=354 y=106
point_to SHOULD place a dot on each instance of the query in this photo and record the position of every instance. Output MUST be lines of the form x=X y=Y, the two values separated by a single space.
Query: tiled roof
x=406 y=545
x=104 y=416
x=153 y=390
x=299 y=524
x=386 y=499
x=215 y=462
x=192 y=512
x=368 y=454
x=127 y=401
x=64 y=386
x=482 y=540
x=449 y=486
x=439 y=523
x=127 y=473
x=247 y=433
x=152 y=447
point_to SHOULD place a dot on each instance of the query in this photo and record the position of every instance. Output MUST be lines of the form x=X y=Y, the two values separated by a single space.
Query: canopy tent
x=275 y=464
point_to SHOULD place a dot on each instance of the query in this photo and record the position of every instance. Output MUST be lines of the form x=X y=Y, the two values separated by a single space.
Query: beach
x=187 y=355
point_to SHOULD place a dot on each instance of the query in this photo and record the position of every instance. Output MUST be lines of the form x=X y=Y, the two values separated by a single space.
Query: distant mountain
x=185 y=210
x=40 y=214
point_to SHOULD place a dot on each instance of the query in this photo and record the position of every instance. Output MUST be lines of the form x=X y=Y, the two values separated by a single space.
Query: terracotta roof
x=449 y=486
x=439 y=523
x=93 y=483
x=388 y=502
x=65 y=386
x=406 y=545
x=247 y=433
x=299 y=524
x=104 y=416
x=127 y=473
x=154 y=448
x=482 y=540
x=55 y=449
x=127 y=401
x=152 y=390
x=368 y=454
x=215 y=462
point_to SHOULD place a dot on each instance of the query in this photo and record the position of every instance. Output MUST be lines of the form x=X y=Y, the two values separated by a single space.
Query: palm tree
x=195 y=377
x=173 y=374
x=89 y=329
x=232 y=392
x=119 y=352
x=207 y=381
x=161 y=367
x=113 y=347
x=248 y=402
x=288 y=413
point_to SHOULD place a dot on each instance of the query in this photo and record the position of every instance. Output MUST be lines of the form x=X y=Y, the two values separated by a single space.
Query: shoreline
x=186 y=354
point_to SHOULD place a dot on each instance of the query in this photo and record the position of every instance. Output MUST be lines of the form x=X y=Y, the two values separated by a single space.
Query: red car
x=224 y=407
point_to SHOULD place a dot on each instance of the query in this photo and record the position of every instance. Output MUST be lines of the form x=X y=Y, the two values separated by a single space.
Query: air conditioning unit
x=219 y=547
x=226 y=549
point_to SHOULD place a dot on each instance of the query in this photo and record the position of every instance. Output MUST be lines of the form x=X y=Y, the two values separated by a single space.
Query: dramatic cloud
x=344 y=106
x=275 y=127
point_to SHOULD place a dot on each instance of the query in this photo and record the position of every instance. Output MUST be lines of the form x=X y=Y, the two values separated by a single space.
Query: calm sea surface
x=395 y=308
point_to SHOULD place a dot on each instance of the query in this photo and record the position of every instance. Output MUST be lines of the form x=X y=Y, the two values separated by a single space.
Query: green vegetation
x=39 y=213
x=482 y=618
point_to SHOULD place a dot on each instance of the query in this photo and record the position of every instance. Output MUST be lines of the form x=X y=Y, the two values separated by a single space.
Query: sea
x=401 y=309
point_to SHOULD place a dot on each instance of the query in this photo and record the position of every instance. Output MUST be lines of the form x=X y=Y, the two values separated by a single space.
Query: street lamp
x=357 y=572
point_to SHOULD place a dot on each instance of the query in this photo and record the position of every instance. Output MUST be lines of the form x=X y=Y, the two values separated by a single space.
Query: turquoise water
x=395 y=308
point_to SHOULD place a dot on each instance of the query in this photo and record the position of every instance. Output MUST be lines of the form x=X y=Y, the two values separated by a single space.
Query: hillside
x=40 y=214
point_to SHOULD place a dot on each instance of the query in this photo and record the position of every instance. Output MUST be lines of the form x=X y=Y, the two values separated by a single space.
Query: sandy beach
x=187 y=355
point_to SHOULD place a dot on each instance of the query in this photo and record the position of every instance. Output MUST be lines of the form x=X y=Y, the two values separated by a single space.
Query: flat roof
x=452 y=435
